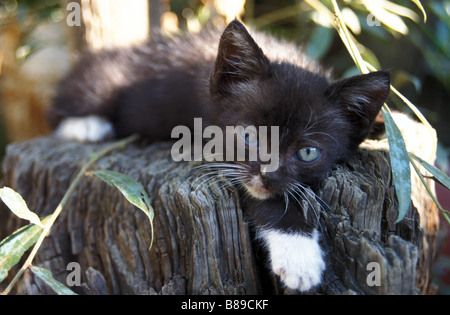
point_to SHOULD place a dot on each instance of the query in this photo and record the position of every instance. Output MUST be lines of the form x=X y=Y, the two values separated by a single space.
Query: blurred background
x=41 y=39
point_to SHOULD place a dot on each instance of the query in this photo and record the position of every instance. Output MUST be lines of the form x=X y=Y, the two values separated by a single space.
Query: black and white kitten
x=233 y=81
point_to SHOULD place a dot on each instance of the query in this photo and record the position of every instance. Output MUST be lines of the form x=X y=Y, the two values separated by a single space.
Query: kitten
x=167 y=82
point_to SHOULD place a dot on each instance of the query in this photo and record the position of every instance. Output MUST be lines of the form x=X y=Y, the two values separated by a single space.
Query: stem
x=46 y=231
x=346 y=38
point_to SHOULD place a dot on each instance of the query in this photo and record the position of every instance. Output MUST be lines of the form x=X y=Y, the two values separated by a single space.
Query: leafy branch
x=14 y=246
x=400 y=157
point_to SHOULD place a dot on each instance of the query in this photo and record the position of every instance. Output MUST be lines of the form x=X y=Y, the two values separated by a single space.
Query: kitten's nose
x=274 y=180
x=268 y=178
x=265 y=176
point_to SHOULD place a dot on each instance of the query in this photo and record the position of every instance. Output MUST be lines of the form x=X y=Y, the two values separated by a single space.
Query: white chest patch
x=297 y=258
x=85 y=129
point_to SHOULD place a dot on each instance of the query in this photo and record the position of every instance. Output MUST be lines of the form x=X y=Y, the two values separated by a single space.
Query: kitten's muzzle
x=257 y=187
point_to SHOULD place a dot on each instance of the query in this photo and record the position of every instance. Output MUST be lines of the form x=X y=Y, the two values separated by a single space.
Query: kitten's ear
x=239 y=59
x=361 y=97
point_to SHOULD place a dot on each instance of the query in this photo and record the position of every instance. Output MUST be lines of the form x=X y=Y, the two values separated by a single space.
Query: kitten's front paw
x=85 y=129
x=296 y=258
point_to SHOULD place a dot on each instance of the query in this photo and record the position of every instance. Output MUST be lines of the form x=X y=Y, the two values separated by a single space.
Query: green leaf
x=18 y=206
x=438 y=175
x=15 y=245
x=46 y=276
x=401 y=170
x=132 y=191
x=427 y=187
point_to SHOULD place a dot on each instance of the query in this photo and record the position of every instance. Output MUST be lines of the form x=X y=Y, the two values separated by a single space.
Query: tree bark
x=203 y=243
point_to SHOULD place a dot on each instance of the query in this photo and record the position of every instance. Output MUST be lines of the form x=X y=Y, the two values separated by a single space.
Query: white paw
x=85 y=129
x=296 y=258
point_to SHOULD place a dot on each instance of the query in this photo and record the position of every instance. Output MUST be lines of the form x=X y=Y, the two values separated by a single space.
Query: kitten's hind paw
x=85 y=129
x=296 y=258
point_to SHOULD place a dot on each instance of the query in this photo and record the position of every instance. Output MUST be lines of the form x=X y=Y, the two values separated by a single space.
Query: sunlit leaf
x=132 y=191
x=15 y=245
x=347 y=39
x=352 y=21
x=46 y=276
x=399 y=10
x=389 y=19
x=438 y=175
x=400 y=160
x=401 y=170
x=326 y=17
x=18 y=206
x=419 y=4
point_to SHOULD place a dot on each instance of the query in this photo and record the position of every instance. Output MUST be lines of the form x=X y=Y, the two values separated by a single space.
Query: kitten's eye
x=250 y=137
x=309 y=154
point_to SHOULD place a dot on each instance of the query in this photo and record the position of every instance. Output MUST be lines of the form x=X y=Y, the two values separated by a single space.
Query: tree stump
x=203 y=243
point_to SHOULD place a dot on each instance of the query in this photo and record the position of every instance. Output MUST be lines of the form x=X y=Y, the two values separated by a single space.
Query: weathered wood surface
x=202 y=240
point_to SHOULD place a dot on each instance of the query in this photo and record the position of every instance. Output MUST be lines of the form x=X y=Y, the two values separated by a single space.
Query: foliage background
x=418 y=58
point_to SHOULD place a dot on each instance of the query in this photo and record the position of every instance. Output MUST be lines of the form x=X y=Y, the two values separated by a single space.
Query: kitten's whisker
x=221 y=164
x=224 y=174
x=205 y=175
x=218 y=167
x=236 y=185
x=286 y=200
x=301 y=196
x=201 y=183
x=307 y=127
x=309 y=192
x=298 y=202
x=213 y=176
x=302 y=192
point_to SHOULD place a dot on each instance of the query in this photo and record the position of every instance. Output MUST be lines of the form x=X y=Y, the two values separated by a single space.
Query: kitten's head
x=321 y=122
